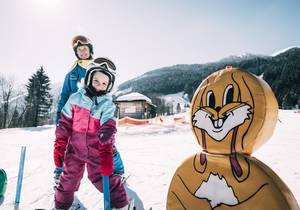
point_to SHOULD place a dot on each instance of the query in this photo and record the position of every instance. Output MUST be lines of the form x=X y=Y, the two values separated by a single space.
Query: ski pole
x=106 y=193
x=20 y=176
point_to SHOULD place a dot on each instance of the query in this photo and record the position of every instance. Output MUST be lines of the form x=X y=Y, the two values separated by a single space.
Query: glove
x=106 y=132
x=59 y=152
x=106 y=160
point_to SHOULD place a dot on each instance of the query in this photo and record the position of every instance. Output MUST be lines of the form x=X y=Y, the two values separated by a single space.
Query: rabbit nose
x=218 y=108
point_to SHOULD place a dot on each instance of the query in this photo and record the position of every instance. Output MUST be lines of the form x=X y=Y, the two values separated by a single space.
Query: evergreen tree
x=38 y=99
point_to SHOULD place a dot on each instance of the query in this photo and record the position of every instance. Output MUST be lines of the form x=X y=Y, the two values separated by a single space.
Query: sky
x=140 y=35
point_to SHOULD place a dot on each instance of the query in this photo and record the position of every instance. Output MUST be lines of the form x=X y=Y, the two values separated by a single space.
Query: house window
x=130 y=109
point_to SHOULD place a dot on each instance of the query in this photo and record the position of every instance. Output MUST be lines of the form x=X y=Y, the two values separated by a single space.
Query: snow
x=175 y=99
x=284 y=50
x=133 y=96
x=243 y=56
x=151 y=154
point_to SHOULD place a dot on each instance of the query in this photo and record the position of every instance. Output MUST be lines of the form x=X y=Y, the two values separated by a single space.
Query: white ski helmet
x=103 y=65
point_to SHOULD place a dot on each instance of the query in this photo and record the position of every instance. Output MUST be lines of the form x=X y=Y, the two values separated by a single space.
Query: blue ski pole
x=20 y=176
x=106 y=193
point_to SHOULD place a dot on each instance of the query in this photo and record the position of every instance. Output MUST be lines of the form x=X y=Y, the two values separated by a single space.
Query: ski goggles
x=101 y=65
x=81 y=42
x=104 y=63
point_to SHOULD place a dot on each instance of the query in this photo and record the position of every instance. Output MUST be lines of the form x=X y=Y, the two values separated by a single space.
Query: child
x=83 y=50
x=85 y=136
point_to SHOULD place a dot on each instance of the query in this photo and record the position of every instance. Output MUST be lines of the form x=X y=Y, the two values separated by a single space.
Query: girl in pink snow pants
x=85 y=136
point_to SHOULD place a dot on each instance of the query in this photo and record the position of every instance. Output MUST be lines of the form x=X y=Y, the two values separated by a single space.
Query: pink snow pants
x=72 y=175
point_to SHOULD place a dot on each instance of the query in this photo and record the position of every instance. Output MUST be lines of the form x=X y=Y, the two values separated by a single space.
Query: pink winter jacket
x=86 y=124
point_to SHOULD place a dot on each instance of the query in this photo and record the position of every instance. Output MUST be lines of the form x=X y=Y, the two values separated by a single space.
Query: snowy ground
x=150 y=154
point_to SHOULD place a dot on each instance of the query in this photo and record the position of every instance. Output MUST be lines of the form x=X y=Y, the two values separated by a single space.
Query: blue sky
x=140 y=35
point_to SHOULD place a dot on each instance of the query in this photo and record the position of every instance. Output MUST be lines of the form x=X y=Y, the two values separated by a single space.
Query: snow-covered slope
x=242 y=57
x=150 y=153
x=284 y=50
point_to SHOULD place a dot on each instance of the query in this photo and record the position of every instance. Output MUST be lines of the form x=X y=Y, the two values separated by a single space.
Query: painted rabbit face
x=229 y=112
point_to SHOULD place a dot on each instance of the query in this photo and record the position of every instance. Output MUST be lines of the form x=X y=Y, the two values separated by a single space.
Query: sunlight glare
x=46 y=4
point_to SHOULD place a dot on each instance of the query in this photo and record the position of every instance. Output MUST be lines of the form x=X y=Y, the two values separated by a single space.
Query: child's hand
x=59 y=152
x=106 y=132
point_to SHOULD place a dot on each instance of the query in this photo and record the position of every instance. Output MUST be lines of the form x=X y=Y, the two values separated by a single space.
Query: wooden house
x=135 y=105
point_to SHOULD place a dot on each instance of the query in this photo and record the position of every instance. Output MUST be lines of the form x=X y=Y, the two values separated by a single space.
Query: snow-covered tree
x=38 y=99
x=11 y=105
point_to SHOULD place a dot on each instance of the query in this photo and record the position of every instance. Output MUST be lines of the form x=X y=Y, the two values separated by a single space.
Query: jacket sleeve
x=64 y=96
x=106 y=133
x=64 y=126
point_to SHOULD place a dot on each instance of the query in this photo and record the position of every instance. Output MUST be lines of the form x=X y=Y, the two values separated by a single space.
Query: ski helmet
x=80 y=40
x=104 y=66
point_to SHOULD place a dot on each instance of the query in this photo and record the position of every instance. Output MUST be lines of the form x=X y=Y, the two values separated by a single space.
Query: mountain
x=284 y=50
x=243 y=57
x=281 y=71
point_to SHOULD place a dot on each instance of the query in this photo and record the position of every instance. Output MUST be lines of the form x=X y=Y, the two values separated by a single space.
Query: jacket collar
x=82 y=91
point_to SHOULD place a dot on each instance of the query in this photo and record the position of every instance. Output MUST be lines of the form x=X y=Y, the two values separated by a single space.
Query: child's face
x=100 y=81
x=83 y=52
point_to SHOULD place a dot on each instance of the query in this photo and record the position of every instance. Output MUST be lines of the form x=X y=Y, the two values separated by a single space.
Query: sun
x=46 y=4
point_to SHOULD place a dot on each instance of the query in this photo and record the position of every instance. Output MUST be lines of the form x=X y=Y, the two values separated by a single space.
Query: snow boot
x=73 y=207
x=129 y=206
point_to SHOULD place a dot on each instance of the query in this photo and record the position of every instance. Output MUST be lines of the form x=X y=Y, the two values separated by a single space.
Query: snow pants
x=70 y=181
x=118 y=163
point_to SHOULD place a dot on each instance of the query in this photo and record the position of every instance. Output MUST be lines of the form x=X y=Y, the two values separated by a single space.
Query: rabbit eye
x=228 y=95
x=210 y=99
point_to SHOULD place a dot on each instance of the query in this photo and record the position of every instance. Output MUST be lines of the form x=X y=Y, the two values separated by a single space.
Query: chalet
x=135 y=105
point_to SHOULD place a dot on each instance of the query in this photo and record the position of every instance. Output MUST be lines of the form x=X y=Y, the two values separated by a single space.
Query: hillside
x=281 y=71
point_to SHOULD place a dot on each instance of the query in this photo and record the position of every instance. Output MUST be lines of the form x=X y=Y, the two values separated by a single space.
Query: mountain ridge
x=276 y=70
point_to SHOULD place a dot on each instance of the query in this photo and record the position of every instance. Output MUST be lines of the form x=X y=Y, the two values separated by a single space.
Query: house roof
x=135 y=96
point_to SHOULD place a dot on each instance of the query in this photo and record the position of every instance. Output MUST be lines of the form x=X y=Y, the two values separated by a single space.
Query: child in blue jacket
x=83 y=50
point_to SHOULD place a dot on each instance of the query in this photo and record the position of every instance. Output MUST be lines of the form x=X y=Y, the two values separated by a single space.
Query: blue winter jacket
x=71 y=84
